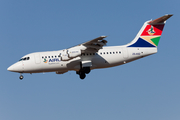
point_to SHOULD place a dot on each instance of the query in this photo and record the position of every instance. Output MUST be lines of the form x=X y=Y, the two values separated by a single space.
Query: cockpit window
x=25 y=58
x=20 y=59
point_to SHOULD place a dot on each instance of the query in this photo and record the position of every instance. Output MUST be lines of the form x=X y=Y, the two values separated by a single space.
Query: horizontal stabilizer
x=161 y=19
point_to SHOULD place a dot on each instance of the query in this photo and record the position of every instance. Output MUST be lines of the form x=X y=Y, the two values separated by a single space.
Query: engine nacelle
x=69 y=54
x=74 y=53
x=64 y=55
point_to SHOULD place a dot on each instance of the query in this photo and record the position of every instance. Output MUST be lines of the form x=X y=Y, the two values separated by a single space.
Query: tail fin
x=150 y=33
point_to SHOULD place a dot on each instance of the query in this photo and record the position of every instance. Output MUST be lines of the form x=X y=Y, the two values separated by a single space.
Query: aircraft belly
x=107 y=61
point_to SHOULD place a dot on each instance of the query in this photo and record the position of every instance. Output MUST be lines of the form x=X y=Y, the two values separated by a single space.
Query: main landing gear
x=83 y=71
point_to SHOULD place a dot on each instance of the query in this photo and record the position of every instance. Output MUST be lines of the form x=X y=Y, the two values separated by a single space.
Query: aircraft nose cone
x=17 y=67
x=10 y=68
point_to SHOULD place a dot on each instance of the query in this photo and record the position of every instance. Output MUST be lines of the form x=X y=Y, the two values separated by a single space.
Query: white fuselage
x=104 y=58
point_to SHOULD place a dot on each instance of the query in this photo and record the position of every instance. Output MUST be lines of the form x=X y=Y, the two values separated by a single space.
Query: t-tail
x=150 y=33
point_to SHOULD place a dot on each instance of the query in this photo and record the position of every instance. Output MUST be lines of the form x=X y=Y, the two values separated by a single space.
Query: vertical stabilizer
x=150 y=33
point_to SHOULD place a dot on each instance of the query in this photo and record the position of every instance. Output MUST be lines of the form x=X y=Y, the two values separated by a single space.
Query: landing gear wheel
x=82 y=75
x=83 y=71
x=21 y=77
x=87 y=70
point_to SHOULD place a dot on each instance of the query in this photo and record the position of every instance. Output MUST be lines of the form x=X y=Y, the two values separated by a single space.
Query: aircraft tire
x=21 y=77
x=82 y=75
x=87 y=70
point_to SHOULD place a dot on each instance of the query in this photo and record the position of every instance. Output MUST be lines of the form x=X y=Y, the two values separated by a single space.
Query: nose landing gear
x=21 y=77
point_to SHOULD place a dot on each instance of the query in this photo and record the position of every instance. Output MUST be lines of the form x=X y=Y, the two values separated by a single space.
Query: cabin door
x=125 y=53
x=37 y=58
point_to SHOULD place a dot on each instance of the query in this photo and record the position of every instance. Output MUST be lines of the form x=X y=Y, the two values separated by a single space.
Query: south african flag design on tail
x=150 y=33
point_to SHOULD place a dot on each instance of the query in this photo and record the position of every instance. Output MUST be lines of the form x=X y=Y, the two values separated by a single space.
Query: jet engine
x=70 y=54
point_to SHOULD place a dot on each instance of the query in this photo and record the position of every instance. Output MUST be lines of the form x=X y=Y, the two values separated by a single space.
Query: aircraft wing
x=92 y=45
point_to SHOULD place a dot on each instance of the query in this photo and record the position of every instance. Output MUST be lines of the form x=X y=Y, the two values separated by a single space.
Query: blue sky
x=146 y=89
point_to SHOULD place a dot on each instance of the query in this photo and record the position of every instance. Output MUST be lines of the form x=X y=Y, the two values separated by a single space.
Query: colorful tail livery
x=150 y=33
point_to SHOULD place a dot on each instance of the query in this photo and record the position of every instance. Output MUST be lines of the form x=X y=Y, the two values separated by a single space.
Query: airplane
x=93 y=54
